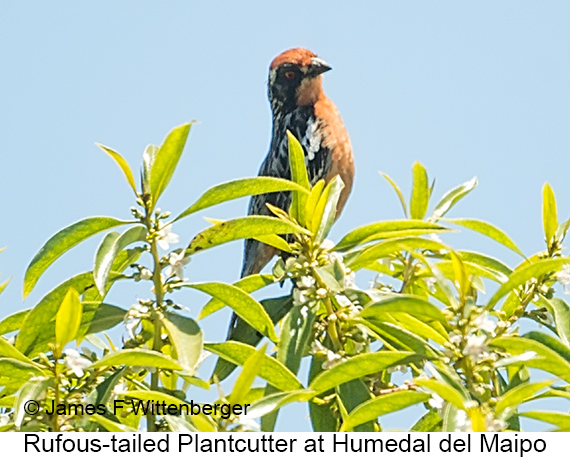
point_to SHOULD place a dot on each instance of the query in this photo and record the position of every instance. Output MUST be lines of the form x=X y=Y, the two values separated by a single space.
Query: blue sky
x=467 y=88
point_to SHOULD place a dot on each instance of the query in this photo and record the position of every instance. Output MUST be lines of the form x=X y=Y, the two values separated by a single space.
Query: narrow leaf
x=452 y=197
x=522 y=274
x=166 y=160
x=67 y=319
x=549 y=215
x=123 y=165
x=359 y=366
x=249 y=309
x=420 y=192
x=248 y=284
x=61 y=242
x=273 y=371
x=398 y=192
x=489 y=230
x=112 y=244
x=245 y=227
x=325 y=211
x=186 y=337
x=244 y=381
x=381 y=405
x=139 y=357
x=241 y=188
x=388 y=229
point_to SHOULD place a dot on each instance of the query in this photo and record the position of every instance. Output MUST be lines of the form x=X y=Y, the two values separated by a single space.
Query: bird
x=299 y=104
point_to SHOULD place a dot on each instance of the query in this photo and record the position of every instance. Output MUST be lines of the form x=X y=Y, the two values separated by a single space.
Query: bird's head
x=295 y=79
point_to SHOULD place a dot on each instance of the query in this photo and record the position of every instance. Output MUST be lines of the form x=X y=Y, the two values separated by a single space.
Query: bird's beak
x=318 y=66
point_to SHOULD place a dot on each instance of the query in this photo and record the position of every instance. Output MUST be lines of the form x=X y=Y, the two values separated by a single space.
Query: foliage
x=466 y=362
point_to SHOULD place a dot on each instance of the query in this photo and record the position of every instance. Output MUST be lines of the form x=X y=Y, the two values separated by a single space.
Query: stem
x=158 y=305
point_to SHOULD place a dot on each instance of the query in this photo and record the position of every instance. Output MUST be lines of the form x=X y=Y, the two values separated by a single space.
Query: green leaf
x=273 y=371
x=14 y=373
x=350 y=396
x=67 y=319
x=123 y=165
x=139 y=357
x=248 y=284
x=276 y=241
x=276 y=308
x=420 y=192
x=248 y=374
x=524 y=273
x=518 y=395
x=311 y=204
x=111 y=426
x=452 y=197
x=325 y=211
x=40 y=318
x=149 y=156
x=383 y=249
x=271 y=403
x=400 y=338
x=241 y=188
x=235 y=229
x=561 y=420
x=112 y=244
x=13 y=322
x=166 y=160
x=409 y=304
x=298 y=175
x=549 y=215
x=398 y=192
x=546 y=358
x=186 y=337
x=249 y=309
x=388 y=229
x=9 y=351
x=4 y=284
x=31 y=390
x=489 y=230
x=98 y=317
x=429 y=422
x=560 y=310
x=446 y=391
x=381 y=405
x=61 y=242
x=296 y=332
x=359 y=366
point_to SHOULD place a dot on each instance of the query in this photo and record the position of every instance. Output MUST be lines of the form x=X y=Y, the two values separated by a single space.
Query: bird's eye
x=290 y=75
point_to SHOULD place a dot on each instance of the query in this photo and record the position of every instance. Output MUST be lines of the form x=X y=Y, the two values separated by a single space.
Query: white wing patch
x=311 y=141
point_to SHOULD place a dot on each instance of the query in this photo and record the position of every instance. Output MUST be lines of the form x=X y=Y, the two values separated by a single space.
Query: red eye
x=290 y=75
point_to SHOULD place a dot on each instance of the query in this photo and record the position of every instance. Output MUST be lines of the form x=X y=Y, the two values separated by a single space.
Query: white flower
x=435 y=238
x=563 y=276
x=166 y=237
x=177 y=262
x=75 y=362
x=299 y=297
x=476 y=347
x=4 y=419
x=327 y=245
x=462 y=422
x=430 y=283
x=455 y=339
x=494 y=425
x=247 y=422
x=317 y=347
x=343 y=301
x=436 y=402
x=349 y=279
x=306 y=282
x=332 y=360
x=146 y=274
x=484 y=323
x=388 y=263
x=400 y=368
